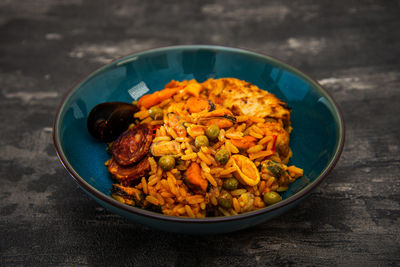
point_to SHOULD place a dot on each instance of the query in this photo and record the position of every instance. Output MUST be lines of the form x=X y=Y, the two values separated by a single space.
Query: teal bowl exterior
x=316 y=141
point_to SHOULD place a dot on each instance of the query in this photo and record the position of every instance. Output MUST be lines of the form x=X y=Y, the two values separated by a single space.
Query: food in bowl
x=216 y=148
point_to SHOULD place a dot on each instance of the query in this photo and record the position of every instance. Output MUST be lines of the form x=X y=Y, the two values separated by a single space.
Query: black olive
x=106 y=121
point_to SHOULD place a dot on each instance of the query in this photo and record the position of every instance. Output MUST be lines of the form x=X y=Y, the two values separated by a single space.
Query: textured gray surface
x=350 y=47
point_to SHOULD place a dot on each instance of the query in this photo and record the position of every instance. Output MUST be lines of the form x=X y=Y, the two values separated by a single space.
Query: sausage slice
x=128 y=174
x=132 y=145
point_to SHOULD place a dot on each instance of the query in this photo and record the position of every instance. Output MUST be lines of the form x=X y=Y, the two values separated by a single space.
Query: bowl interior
x=317 y=125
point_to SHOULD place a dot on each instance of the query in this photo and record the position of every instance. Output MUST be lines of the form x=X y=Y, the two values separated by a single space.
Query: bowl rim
x=158 y=216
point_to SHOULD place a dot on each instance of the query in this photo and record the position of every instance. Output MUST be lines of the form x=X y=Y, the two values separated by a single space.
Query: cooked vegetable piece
x=196 y=131
x=272 y=197
x=197 y=104
x=166 y=163
x=201 y=140
x=156 y=113
x=244 y=143
x=230 y=183
x=155 y=98
x=194 y=179
x=275 y=168
x=222 y=156
x=225 y=200
x=212 y=132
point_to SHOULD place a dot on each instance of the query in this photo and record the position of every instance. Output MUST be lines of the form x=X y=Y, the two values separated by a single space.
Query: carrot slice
x=196 y=104
x=155 y=98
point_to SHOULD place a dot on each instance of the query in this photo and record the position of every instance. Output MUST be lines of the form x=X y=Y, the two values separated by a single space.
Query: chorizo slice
x=132 y=145
x=126 y=175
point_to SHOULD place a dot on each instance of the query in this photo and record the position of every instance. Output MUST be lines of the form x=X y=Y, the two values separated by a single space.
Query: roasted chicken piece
x=244 y=98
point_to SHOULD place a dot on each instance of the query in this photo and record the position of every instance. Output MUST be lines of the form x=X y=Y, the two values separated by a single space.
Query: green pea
x=166 y=162
x=230 y=183
x=156 y=113
x=272 y=197
x=212 y=132
x=222 y=156
x=225 y=200
x=201 y=140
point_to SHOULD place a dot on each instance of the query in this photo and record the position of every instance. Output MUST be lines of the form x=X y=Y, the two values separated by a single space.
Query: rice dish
x=216 y=148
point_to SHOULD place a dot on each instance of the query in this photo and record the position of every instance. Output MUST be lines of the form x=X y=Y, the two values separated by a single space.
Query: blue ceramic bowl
x=316 y=141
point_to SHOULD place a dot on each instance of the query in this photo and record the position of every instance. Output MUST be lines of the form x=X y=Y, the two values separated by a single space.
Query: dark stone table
x=351 y=47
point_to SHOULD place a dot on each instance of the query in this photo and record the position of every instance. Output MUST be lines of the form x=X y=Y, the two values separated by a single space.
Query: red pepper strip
x=274 y=137
x=154 y=130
